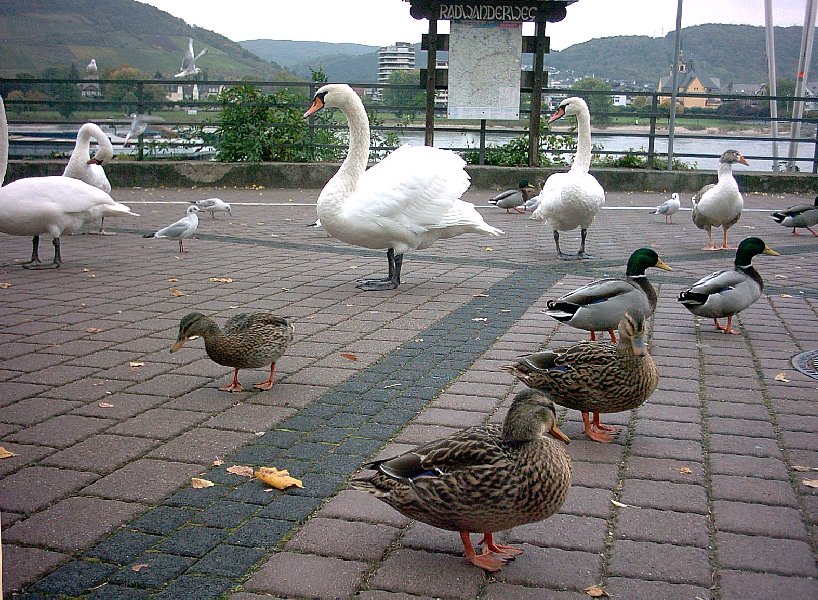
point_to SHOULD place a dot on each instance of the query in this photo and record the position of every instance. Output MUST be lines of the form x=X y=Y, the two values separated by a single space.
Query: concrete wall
x=315 y=175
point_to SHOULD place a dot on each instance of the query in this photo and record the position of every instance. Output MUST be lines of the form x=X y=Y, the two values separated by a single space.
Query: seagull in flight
x=189 y=61
x=139 y=123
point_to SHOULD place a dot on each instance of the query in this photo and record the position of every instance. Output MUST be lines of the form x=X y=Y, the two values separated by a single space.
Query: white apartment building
x=399 y=56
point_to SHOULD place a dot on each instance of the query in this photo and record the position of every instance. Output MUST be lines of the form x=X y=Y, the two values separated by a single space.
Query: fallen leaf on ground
x=105 y=405
x=280 y=480
x=480 y=319
x=240 y=470
x=199 y=483
x=480 y=295
x=622 y=504
x=782 y=377
x=781 y=276
x=813 y=483
x=93 y=330
x=686 y=471
x=349 y=356
x=803 y=469
x=173 y=280
x=489 y=249
x=221 y=279
x=176 y=292
x=135 y=363
x=139 y=567
x=6 y=453
x=4 y=285
x=596 y=591
x=218 y=462
x=786 y=295
x=391 y=385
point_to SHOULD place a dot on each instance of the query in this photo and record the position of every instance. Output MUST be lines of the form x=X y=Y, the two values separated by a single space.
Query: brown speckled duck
x=595 y=377
x=482 y=479
x=248 y=341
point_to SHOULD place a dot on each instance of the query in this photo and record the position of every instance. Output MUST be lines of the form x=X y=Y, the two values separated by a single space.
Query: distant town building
x=398 y=57
x=692 y=81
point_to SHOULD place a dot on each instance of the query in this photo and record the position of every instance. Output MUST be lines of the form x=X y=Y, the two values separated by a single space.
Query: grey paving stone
x=226 y=514
x=163 y=520
x=118 y=592
x=101 y=453
x=33 y=488
x=749 y=466
x=61 y=431
x=195 y=586
x=231 y=562
x=568 y=532
x=158 y=570
x=343 y=539
x=660 y=562
x=201 y=445
x=249 y=418
x=159 y=423
x=553 y=568
x=260 y=533
x=754 y=490
x=663 y=526
x=503 y=591
x=31 y=411
x=23 y=565
x=758 y=519
x=622 y=587
x=765 y=554
x=588 y=502
x=765 y=586
x=427 y=574
x=123 y=546
x=192 y=541
x=289 y=574
x=665 y=495
x=73 y=523
x=165 y=477
x=74 y=578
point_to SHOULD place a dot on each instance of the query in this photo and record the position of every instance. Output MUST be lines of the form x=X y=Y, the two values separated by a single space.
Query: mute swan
x=181 y=229
x=213 y=205
x=513 y=199
x=570 y=200
x=725 y=293
x=52 y=206
x=720 y=204
x=669 y=208
x=406 y=202
x=804 y=216
x=189 y=61
x=81 y=166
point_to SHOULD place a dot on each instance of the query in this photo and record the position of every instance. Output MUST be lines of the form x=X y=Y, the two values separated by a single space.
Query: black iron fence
x=44 y=115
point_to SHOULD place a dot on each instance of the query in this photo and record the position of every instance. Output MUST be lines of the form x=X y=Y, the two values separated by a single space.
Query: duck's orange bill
x=555 y=432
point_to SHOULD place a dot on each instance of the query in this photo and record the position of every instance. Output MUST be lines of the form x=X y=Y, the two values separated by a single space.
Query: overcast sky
x=383 y=22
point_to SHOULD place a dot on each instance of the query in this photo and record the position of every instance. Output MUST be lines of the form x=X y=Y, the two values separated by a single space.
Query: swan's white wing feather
x=570 y=200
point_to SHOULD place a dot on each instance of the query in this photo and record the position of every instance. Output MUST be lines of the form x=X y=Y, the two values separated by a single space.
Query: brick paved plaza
x=108 y=426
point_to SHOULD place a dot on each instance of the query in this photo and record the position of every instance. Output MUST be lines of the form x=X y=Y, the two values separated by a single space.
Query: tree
x=136 y=98
x=600 y=105
x=785 y=87
x=405 y=100
x=65 y=95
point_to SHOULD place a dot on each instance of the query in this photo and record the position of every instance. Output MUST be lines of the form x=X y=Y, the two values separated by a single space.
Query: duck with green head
x=728 y=292
x=601 y=304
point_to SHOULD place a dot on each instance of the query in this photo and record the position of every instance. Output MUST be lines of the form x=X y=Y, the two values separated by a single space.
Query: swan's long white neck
x=4 y=141
x=582 y=158
x=82 y=148
x=344 y=182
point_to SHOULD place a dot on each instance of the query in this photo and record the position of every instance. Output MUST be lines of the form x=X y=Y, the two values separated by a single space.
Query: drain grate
x=807 y=363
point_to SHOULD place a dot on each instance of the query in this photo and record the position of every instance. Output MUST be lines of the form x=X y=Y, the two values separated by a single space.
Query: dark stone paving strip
x=204 y=542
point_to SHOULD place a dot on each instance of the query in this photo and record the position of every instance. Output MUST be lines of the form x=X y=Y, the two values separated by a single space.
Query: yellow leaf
x=198 y=483
x=135 y=363
x=280 y=480
x=686 y=471
x=139 y=567
x=105 y=405
x=240 y=470
x=173 y=280
x=218 y=462
x=4 y=285
x=175 y=292
x=349 y=356
x=786 y=295
x=489 y=249
x=6 y=453
x=596 y=591
x=221 y=280
x=622 y=504
x=803 y=469
x=813 y=483
x=782 y=377
x=93 y=330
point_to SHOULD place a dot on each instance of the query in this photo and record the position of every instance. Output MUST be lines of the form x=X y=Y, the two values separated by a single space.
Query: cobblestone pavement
x=108 y=427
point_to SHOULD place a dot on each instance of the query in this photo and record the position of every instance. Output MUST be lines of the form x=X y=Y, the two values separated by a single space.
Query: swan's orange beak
x=557 y=115
x=317 y=105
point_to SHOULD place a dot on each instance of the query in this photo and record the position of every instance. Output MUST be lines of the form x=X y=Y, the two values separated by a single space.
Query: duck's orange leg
x=509 y=551
x=601 y=427
x=234 y=386
x=729 y=328
x=593 y=335
x=598 y=435
x=613 y=335
x=266 y=385
x=486 y=560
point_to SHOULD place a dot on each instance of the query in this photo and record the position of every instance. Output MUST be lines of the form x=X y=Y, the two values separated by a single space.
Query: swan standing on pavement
x=720 y=204
x=181 y=229
x=81 y=166
x=570 y=200
x=669 y=208
x=406 y=202
x=189 y=61
x=37 y=206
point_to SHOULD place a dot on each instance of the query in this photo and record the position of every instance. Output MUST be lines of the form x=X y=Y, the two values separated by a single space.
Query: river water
x=623 y=143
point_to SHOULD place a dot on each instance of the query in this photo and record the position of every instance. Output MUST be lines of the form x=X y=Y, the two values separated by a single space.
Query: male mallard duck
x=570 y=200
x=669 y=208
x=728 y=292
x=513 y=199
x=720 y=204
x=600 y=305
x=248 y=341
x=595 y=377
x=483 y=479
x=804 y=215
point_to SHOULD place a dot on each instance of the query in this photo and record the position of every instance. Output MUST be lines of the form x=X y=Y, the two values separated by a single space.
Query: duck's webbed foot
x=390 y=282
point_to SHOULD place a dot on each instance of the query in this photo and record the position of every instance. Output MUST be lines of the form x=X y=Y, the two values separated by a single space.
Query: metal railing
x=44 y=116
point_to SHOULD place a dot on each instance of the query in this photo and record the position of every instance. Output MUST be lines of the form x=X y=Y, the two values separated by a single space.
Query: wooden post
x=431 y=80
x=536 y=97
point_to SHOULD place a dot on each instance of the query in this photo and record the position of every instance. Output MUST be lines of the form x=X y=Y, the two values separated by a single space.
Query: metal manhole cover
x=807 y=363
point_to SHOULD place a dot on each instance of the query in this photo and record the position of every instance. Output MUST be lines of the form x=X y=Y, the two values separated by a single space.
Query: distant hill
x=38 y=34
x=356 y=63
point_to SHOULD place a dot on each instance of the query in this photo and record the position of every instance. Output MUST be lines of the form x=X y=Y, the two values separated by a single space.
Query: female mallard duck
x=728 y=292
x=483 y=479
x=570 y=200
x=513 y=199
x=248 y=341
x=720 y=204
x=804 y=215
x=595 y=377
x=600 y=305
